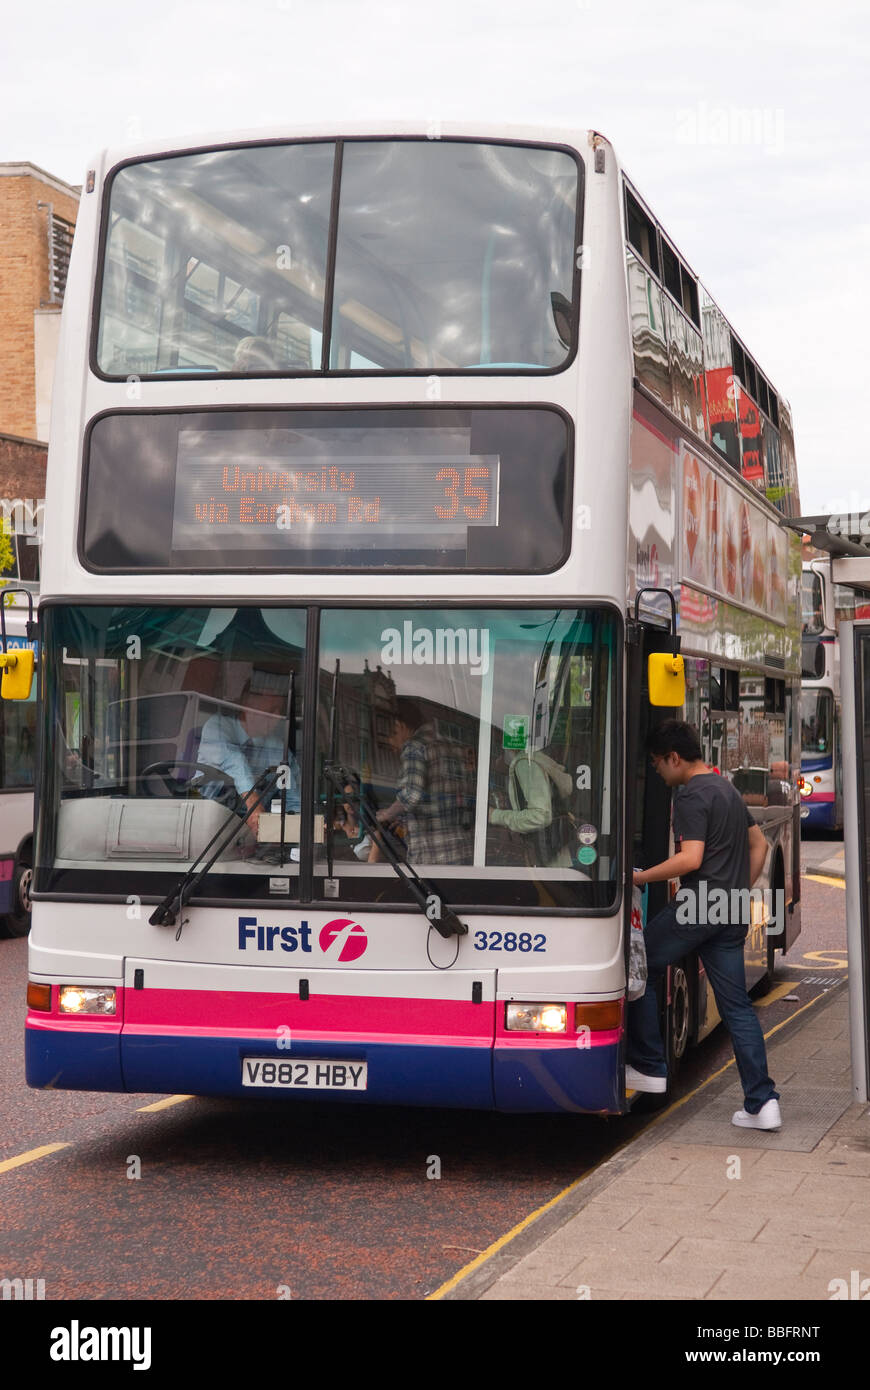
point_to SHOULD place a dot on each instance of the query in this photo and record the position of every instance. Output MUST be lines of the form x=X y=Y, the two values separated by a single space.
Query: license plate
x=314 y=1074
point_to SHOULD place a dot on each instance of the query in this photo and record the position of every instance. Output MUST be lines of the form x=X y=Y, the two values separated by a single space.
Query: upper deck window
x=642 y=233
x=216 y=262
x=454 y=256
x=812 y=611
x=436 y=256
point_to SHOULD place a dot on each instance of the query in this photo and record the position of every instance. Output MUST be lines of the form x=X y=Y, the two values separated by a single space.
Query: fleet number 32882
x=509 y=941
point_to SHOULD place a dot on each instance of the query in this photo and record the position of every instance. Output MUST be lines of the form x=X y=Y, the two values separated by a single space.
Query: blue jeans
x=721 y=952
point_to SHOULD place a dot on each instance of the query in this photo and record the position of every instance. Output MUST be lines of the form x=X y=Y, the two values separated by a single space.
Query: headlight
x=86 y=999
x=537 y=1018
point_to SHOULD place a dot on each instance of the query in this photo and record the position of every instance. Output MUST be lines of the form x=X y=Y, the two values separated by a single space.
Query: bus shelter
x=847 y=541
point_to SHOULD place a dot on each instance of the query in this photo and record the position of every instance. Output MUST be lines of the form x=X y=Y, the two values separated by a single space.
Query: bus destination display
x=319 y=488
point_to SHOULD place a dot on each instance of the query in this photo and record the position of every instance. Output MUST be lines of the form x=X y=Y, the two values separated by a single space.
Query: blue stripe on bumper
x=477 y=1078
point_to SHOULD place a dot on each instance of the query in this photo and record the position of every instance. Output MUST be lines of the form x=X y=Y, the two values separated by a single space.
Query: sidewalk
x=695 y=1208
x=814 y=860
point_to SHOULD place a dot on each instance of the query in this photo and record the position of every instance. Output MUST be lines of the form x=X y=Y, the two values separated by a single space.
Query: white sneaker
x=768 y=1117
x=639 y=1081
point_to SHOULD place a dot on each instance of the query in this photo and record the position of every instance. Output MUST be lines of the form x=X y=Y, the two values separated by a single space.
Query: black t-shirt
x=709 y=808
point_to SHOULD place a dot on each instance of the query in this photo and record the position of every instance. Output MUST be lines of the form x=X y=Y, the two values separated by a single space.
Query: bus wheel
x=678 y=1019
x=17 y=922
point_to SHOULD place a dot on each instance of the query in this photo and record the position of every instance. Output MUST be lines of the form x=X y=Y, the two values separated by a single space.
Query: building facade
x=37 y=219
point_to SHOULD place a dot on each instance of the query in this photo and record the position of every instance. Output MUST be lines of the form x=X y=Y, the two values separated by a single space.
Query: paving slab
x=808 y=1111
x=743 y=1223
x=791 y=1256
x=523 y=1291
x=735 y=1284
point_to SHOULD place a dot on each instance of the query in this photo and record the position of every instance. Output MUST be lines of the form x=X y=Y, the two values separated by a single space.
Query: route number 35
x=451 y=479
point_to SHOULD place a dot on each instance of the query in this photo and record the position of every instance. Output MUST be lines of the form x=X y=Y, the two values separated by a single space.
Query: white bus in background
x=18 y=734
x=824 y=606
x=345 y=436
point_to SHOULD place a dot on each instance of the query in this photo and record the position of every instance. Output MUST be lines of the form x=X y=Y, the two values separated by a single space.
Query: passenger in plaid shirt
x=435 y=796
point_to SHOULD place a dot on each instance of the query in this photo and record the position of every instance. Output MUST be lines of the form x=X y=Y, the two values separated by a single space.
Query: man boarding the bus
x=720 y=847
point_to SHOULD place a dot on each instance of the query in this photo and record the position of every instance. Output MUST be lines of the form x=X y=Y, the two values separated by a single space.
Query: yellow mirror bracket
x=16 y=682
x=666 y=678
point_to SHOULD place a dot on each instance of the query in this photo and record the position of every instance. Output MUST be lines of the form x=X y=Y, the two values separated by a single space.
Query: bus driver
x=243 y=748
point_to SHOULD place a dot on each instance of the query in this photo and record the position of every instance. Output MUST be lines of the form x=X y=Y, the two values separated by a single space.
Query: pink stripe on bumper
x=190 y=1013
x=232 y=1013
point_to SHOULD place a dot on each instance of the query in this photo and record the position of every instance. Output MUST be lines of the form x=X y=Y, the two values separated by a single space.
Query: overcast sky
x=744 y=125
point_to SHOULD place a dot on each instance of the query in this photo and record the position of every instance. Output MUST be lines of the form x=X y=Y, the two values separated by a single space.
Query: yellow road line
x=503 y=1240
x=825 y=878
x=560 y=1196
x=30 y=1157
x=163 y=1104
x=776 y=993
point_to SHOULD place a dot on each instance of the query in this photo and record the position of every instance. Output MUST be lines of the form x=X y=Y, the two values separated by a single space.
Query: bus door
x=651 y=835
x=651 y=810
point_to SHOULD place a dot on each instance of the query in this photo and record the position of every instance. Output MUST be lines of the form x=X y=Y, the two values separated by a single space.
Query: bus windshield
x=812 y=611
x=485 y=738
x=449 y=255
x=817 y=722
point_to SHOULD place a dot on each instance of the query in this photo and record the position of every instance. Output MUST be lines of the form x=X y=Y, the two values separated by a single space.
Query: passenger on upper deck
x=253 y=355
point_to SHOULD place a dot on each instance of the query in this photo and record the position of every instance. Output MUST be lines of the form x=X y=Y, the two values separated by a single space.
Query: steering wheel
x=177 y=788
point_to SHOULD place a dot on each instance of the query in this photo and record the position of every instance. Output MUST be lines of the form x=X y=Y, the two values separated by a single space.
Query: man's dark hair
x=409 y=712
x=675 y=736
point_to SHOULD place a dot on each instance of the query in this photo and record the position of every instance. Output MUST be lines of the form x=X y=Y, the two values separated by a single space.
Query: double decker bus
x=824 y=606
x=382 y=470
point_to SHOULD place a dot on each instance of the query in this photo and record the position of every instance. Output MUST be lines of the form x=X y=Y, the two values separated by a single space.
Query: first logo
x=342 y=939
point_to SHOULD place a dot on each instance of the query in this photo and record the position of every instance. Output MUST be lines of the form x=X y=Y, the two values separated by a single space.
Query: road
x=252 y=1200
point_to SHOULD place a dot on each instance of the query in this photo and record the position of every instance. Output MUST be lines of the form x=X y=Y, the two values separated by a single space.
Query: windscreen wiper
x=166 y=913
x=333 y=750
x=431 y=902
x=289 y=747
